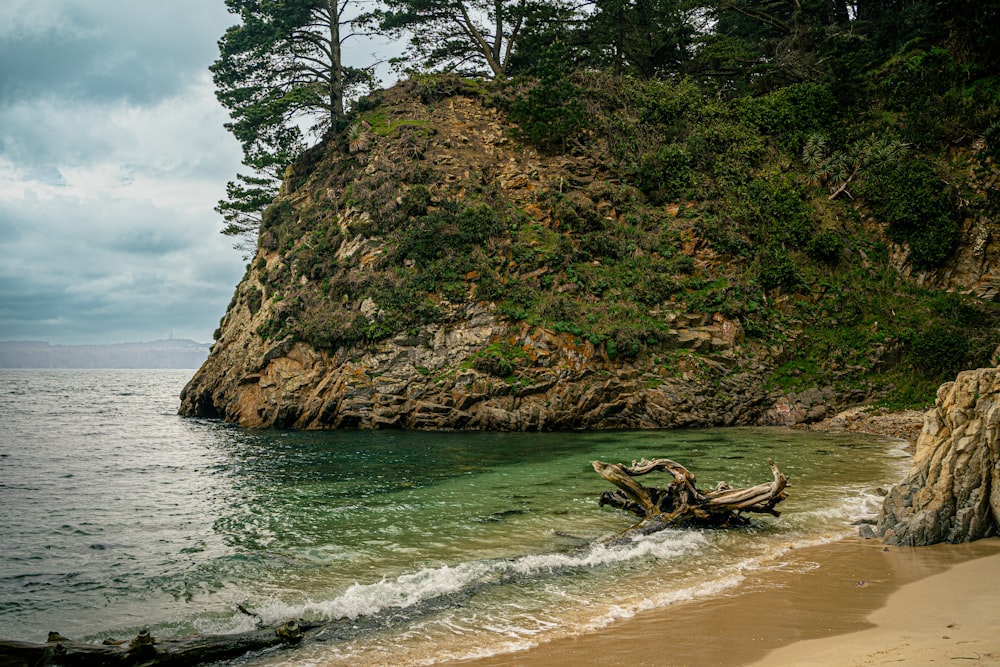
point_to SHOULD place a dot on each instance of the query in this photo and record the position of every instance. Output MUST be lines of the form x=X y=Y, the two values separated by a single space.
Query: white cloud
x=32 y=19
x=107 y=221
x=113 y=155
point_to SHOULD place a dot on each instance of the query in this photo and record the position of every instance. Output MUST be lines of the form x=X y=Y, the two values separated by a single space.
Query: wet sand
x=853 y=602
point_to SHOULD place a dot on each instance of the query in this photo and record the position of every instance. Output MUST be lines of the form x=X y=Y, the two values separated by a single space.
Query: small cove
x=117 y=515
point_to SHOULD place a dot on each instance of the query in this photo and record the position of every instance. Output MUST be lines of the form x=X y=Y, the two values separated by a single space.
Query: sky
x=113 y=156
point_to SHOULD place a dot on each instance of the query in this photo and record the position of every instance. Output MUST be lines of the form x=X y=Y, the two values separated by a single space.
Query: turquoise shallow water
x=117 y=514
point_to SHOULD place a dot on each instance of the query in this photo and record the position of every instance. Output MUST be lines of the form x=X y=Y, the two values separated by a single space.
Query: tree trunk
x=682 y=502
x=336 y=89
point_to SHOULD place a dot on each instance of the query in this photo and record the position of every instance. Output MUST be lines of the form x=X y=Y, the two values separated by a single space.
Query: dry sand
x=948 y=618
x=852 y=602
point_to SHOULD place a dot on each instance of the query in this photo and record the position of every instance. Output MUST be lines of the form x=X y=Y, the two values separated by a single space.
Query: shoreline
x=849 y=602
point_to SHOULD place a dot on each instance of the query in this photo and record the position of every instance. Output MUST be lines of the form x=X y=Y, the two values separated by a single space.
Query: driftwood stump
x=683 y=503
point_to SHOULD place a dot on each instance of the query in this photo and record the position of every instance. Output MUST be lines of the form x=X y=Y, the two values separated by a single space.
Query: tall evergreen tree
x=643 y=37
x=467 y=36
x=279 y=68
x=966 y=27
x=761 y=44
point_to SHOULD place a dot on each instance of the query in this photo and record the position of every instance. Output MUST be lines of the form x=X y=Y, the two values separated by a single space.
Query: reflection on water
x=118 y=514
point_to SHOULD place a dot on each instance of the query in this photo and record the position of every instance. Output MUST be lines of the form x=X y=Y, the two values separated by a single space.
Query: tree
x=763 y=44
x=279 y=69
x=243 y=207
x=645 y=37
x=966 y=27
x=872 y=156
x=468 y=36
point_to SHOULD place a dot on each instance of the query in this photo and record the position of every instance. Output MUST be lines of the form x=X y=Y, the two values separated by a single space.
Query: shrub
x=278 y=221
x=477 y=223
x=666 y=175
x=415 y=201
x=777 y=270
x=436 y=86
x=825 y=246
x=919 y=208
x=601 y=245
x=577 y=212
x=776 y=211
x=790 y=114
x=666 y=103
x=933 y=243
x=939 y=350
x=499 y=359
x=254 y=298
x=724 y=236
x=656 y=288
x=327 y=325
x=723 y=147
x=624 y=342
x=550 y=112
x=426 y=238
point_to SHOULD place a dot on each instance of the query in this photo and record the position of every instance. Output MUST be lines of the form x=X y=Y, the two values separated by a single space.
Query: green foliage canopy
x=467 y=36
x=646 y=38
x=280 y=65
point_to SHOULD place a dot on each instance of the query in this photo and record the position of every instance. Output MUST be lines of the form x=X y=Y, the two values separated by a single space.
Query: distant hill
x=154 y=354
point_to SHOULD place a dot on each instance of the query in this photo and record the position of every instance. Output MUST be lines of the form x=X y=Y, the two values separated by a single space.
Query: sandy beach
x=852 y=602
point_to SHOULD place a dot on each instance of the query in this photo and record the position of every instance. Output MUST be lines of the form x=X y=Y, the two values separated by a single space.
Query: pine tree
x=467 y=36
x=279 y=69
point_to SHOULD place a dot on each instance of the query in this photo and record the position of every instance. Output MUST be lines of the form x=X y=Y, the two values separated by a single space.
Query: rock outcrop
x=426 y=268
x=974 y=268
x=329 y=238
x=426 y=380
x=952 y=494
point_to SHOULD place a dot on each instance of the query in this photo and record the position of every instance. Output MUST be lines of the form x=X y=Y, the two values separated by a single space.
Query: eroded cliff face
x=952 y=493
x=423 y=380
x=426 y=270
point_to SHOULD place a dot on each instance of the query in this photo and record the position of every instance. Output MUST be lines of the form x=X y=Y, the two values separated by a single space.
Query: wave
x=434 y=588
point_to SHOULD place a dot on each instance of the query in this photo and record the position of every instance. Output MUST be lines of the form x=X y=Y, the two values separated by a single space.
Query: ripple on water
x=145 y=518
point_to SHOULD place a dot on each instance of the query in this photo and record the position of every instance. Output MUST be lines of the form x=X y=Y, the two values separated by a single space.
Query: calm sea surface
x=116 y=514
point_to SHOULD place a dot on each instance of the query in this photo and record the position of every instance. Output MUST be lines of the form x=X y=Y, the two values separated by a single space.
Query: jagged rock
x=952 y=493
x=331 y=264
x=422 y=380
x=805 y=407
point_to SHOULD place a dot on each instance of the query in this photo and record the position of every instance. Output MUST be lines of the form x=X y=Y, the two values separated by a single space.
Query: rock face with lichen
x=952 y=493
x=428 y=268
x=424 y=380
x=388 y=267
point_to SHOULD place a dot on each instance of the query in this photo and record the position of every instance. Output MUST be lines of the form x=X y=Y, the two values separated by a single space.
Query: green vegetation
x=499 y=359
x=800 y=197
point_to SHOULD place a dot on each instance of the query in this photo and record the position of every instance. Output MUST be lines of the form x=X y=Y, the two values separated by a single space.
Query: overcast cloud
x=112 y=157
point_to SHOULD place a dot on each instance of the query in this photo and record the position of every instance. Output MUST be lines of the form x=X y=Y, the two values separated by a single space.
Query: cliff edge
x=666 y=265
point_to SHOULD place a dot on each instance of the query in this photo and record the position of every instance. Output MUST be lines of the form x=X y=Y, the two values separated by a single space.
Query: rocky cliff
x=423 y=380
x=426 y=268
x=952 y=493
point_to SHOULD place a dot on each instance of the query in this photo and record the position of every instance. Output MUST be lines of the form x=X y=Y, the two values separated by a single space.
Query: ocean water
x=116 y=514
